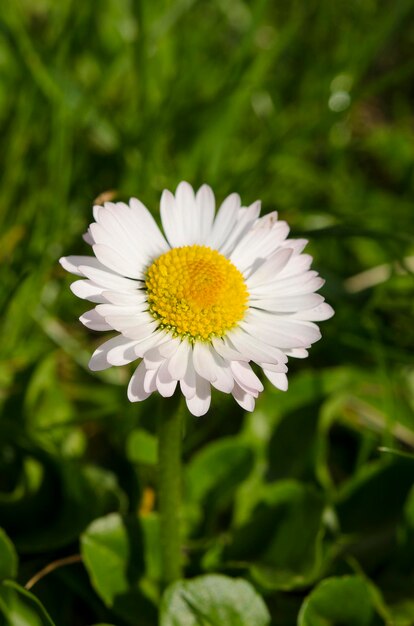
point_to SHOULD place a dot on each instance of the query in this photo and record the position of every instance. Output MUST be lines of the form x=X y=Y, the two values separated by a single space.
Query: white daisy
x=200 y=304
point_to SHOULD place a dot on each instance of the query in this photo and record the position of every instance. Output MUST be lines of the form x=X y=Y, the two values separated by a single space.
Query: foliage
x=303 y=512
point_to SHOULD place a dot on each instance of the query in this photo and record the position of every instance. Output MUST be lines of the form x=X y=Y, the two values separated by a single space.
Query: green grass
x=133 y=97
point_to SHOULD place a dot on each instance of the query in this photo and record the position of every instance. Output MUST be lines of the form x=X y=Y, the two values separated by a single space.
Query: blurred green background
x=309 y=107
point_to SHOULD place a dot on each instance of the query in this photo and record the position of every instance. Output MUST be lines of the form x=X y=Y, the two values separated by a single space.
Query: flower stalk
x=169 y=489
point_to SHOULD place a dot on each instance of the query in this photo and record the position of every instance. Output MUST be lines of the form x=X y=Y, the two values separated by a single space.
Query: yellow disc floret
x=196 y=292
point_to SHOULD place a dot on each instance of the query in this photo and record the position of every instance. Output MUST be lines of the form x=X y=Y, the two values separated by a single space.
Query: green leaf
x=283 y=550
x=402 y=613
x=375 y=496
x=406 y=536
x=8 y=557
x=113 y=550
x=291 y=445
x=142 y=447
x=86 y=492
x=213 y=600
x=79 y=492
x=395 y=452
x=21 y=608
x=346 y=600
x=215 y=472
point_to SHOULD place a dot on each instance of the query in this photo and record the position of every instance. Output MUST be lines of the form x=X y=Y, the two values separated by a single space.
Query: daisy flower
x=200 y=303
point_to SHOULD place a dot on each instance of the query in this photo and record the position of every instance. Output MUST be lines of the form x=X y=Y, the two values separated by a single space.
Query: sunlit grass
x=307 y=106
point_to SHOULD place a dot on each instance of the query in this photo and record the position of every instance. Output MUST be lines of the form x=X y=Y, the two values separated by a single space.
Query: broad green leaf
x=84 y=493
x=409 y=509
x=215 y=472
x=346 y=600
x=45 y=401
x=8 y=557
x=113 y=550
x=402 y=613
x=292 y=444
x=79 y=492
x=213 y=600
x=142 y=447
x=284 y=551
x=406 y=536
x=20 y=607
x=375 y=496
x=308 y=388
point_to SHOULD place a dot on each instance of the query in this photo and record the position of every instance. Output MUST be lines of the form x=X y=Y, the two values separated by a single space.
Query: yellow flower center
x=196 y=292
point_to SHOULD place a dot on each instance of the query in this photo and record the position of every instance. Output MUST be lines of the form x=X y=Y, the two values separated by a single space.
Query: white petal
x=150 y=381
x=166 y=385
x=297 y=353
x=140 y=332
x=116 y=220
x=188 y=383
x=306 y=283
x=298 y=263
x=269 y=269
x=137 y=225
x=95 y=211
x=278 y=380
x=280 y=368
x=267 y=222
x=225 y=221
x=224 y=380
x=180 y=216
x=72 y=263
x=88 y=290
x=93 y=320
x=99 y=360
x=118 y=239
x=136 y=391
x=211 y=366
x=199 y=404
x=296 y=244
x=117 y=262
x=203 y=360
x=318 y=314
x=245 y=218
x=125 y=298
x=171 y=226
x=130 y=320
x=187 y=212
x=245 y=377
x=206 y=204
x=258 y=243
x=150 y=233
x=283 y=333
x=107 y=310
x=149 y=342
x=122 y=353
x=225 y=350
x=108 y=279
x=178 y=362
x=168 y=348
x=286 y=304
x=87 y=237
x=271 y=337
x=157 y=355
x=306 y=332
x=253 y=348
x=244 y=399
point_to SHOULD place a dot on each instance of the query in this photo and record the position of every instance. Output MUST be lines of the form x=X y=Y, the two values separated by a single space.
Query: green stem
x=169 y=490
